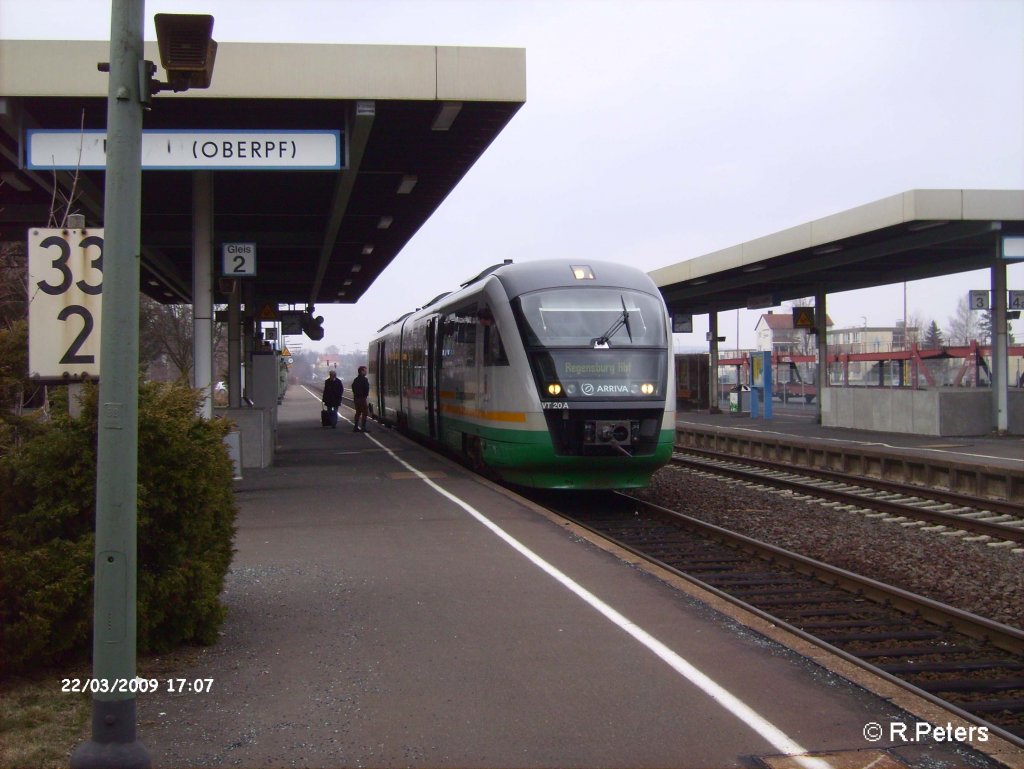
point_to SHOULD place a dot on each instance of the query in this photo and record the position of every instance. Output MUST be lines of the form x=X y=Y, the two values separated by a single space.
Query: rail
x=964 y=663
x=980 y=481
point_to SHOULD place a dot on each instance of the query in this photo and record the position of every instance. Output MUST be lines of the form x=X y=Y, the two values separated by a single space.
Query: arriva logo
x=590 y=389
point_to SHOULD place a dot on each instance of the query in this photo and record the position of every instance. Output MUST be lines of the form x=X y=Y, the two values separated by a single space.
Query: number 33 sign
x=65 y=288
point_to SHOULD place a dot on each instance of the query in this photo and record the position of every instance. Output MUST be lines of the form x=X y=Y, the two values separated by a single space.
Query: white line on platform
x=779 y=739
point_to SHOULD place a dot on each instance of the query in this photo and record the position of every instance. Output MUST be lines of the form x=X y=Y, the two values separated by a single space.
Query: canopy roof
x=914 y=235
x=418 y=114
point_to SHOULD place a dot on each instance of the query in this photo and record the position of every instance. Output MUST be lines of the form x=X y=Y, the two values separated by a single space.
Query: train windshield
x=591 y=317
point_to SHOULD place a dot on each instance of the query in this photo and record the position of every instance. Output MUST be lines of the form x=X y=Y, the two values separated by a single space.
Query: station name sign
x=183 y=150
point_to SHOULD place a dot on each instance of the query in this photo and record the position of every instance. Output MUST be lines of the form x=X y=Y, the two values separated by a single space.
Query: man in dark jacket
x=360 y=396
x=333 y=389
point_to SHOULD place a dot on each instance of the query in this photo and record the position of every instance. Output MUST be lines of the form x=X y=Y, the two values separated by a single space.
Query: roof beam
x=360 y=121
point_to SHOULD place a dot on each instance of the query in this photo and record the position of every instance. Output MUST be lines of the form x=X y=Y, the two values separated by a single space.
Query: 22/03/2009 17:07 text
x=137 y=685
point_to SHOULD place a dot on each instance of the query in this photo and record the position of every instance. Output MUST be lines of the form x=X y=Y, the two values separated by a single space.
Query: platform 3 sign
x=65 y=292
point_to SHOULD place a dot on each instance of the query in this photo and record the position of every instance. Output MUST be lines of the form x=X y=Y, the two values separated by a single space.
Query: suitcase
x=328 y=417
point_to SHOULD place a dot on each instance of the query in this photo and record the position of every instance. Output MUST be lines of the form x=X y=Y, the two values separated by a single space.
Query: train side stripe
x=493 y=416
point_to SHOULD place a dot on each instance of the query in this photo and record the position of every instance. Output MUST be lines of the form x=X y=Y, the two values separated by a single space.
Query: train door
x=435 y=345
x=377 y=365
x=431 y=393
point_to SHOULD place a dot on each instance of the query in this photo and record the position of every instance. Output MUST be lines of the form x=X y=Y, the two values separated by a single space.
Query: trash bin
x=233 y=440
x=739 y=402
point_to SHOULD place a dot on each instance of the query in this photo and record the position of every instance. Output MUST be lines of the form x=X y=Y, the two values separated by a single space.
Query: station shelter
x=910 y=236
x=291 y=182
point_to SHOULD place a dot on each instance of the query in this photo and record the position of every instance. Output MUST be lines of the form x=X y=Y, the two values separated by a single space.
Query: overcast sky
x=657 y=131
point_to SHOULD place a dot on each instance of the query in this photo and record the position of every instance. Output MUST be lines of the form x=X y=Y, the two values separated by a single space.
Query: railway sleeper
x=849 y=623
x=903 y=635
x=696 y=559
x=1011 y=705
x=807 y=597
x=950 y=667
x=864 y=610
x=754 y=592
x=761 y=579
x=720 y=562
x=913 y=651
x=965 y=685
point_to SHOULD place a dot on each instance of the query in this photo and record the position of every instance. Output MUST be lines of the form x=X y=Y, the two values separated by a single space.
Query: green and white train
x=550 y=374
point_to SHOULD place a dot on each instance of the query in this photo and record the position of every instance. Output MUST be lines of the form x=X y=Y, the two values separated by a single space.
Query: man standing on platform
x=360 y=396
x=333 y=389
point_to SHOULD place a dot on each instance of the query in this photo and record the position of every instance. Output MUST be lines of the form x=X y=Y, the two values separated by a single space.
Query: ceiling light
x=356 y=267
x=753 y=268
x=405 y=186
x=348 y=281
x=827 y=250
x=698 y=282
x=384 y=222
x=367 y=249
x=446 y=115
x=153 y=282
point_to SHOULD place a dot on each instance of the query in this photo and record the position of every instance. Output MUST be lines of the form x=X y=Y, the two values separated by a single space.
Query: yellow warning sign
x=803 y=317
x=267 y=312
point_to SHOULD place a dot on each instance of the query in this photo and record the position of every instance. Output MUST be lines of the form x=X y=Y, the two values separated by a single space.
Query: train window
x=585 y=316
x=494 y=350
x=460 y=335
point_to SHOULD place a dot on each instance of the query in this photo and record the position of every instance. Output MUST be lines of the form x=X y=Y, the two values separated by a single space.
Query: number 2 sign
x=239 y=260
x=65 y=292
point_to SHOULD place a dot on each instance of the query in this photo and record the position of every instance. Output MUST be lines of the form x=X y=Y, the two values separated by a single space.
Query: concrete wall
x=257 y=434
x=946 y=411
x=1016 y=409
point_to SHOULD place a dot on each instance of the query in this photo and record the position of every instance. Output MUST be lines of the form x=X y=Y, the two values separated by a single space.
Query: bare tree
x=13 y=283
x=166 y=339
x=165 y=335
x=915 y=328
x=963 y=326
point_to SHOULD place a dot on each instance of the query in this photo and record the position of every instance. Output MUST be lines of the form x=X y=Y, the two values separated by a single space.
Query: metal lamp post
x=114 y=742
x=189 y=64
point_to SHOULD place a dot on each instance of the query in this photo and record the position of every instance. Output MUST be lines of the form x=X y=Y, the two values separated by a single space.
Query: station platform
x=800 y=421
x=386 y=607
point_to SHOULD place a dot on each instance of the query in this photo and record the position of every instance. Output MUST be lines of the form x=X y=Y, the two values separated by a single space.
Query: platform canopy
x=410 y=121
x=910 y=236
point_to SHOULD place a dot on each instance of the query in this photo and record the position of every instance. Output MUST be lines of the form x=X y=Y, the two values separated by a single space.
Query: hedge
x=186 y=527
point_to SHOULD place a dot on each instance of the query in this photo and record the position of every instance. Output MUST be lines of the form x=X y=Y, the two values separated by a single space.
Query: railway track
x=970 y=665
x=999 y=523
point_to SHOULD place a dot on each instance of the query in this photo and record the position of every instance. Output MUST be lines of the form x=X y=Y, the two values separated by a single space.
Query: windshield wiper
x=621 y=321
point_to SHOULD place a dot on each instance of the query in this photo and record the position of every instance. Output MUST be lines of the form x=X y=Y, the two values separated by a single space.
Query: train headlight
x=647 y=388
x=554 y=389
